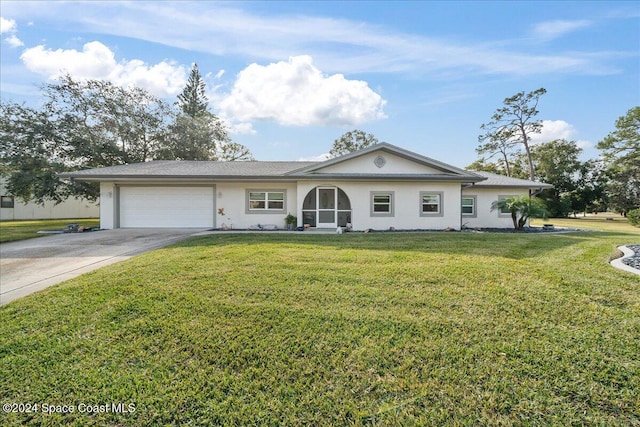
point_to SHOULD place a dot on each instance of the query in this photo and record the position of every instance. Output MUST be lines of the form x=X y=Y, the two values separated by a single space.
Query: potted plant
x=291 y=221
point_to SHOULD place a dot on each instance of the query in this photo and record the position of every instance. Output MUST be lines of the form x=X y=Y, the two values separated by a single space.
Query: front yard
x=19 y=230
x=356 y=329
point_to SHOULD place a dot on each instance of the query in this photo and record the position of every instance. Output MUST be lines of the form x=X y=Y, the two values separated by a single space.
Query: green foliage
x=576 y=184
x=634 y=217
x=192 y=138
x=352 y=141
x=359 y=329
x=290 y=219
x=511 y=126
x=521 y=208
x=93 y=123
x=229 y=151
x=482 y=165
x=193 y=101
x=195 y=133
x=621 y=152
x=81 y=125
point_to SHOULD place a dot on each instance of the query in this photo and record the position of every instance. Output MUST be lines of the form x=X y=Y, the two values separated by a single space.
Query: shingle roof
x=495 y=180
x=176 y=170
x=181 y=168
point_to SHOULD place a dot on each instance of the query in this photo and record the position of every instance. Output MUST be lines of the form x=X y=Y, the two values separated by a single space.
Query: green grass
x=602 y=222
x=376 y=329
x=21 y=230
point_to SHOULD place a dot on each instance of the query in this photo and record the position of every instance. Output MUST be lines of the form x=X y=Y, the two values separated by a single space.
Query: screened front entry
x=326 y=207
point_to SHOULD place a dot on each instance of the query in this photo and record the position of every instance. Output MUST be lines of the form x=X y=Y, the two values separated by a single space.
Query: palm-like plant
x=522 y=208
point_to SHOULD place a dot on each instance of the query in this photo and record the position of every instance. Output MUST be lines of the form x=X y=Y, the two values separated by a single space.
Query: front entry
x=326 y=207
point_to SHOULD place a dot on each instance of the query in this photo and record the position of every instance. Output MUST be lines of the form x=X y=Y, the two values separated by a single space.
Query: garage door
x=166 y=207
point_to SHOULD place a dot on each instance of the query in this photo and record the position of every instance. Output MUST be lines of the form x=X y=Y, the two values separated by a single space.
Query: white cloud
x=240 y=128
x=97 y=61
x=296 y=93
x=14 y=41
x=319 y=158
x=550 y=30
x=7 y=25
x=558 y=129
x=337 y=45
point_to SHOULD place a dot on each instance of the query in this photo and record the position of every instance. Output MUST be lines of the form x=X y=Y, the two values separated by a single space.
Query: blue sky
x=291 y=77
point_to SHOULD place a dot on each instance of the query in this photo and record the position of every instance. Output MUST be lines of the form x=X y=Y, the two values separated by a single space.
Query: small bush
x=634 y=217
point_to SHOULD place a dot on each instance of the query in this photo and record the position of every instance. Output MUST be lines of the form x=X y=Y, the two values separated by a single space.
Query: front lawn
x=354 y=329
x=20 y=230
x=602 y=222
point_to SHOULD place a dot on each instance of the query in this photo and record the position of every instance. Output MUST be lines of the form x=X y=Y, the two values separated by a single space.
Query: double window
x=271 y=201
x=469 y=206
x=431 y=203
x=382 y=203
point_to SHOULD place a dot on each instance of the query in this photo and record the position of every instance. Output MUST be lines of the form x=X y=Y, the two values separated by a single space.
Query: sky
x=288 y=78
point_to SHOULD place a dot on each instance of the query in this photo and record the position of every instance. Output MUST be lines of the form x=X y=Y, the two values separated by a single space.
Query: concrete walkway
x=28 y=266
x=626 y=253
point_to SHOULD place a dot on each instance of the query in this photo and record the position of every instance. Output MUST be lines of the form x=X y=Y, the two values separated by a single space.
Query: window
x=6 y=202
x=382 y=203
x=431 y=203
x=469 y=206
x=504 y=211
x=266 y=201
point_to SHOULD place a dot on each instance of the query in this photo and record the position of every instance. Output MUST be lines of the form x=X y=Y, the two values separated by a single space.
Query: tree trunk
x=525 y=142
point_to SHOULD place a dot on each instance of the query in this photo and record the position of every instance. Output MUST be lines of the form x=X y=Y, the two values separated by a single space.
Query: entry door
x=327 y=208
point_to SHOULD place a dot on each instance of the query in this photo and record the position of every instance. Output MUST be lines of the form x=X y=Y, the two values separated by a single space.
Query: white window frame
x=266 y=209
x=474 y=207
x=440 y=211
x=373 y=203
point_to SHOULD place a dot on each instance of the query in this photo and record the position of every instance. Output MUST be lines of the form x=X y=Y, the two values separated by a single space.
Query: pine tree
x=192 y=101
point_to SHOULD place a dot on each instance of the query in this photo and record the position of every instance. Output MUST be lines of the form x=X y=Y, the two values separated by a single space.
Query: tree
x=352 y=141
x=521 y=208
x=191 y=138
x=557 y=163
x=192 y=101
x=104 y=124
x=29 y=154
x=482 y=165
x=82 y=124
x=232 y=151
x=94 y=123
x=513 y=124
x=497 y=143
x=195 y=133
x=621 y=154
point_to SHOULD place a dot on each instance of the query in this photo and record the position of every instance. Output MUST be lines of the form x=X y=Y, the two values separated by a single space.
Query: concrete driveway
x=30 y=265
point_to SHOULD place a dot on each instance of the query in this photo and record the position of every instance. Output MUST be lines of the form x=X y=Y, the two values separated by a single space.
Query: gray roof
x=495 y=180
x=190 y=169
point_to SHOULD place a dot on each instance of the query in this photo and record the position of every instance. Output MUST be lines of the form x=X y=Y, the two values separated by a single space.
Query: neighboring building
x=12 y=208
x=379 y=187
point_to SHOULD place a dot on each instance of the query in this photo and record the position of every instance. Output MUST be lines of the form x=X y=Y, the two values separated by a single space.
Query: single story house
x=12 y=208
x=379 y=187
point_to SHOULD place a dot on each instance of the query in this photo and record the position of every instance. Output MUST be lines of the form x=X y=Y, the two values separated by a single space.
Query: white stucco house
x=12 y=208
x=379 y=187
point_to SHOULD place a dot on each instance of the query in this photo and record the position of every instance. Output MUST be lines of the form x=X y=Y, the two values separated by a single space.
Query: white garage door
x=166 y=207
